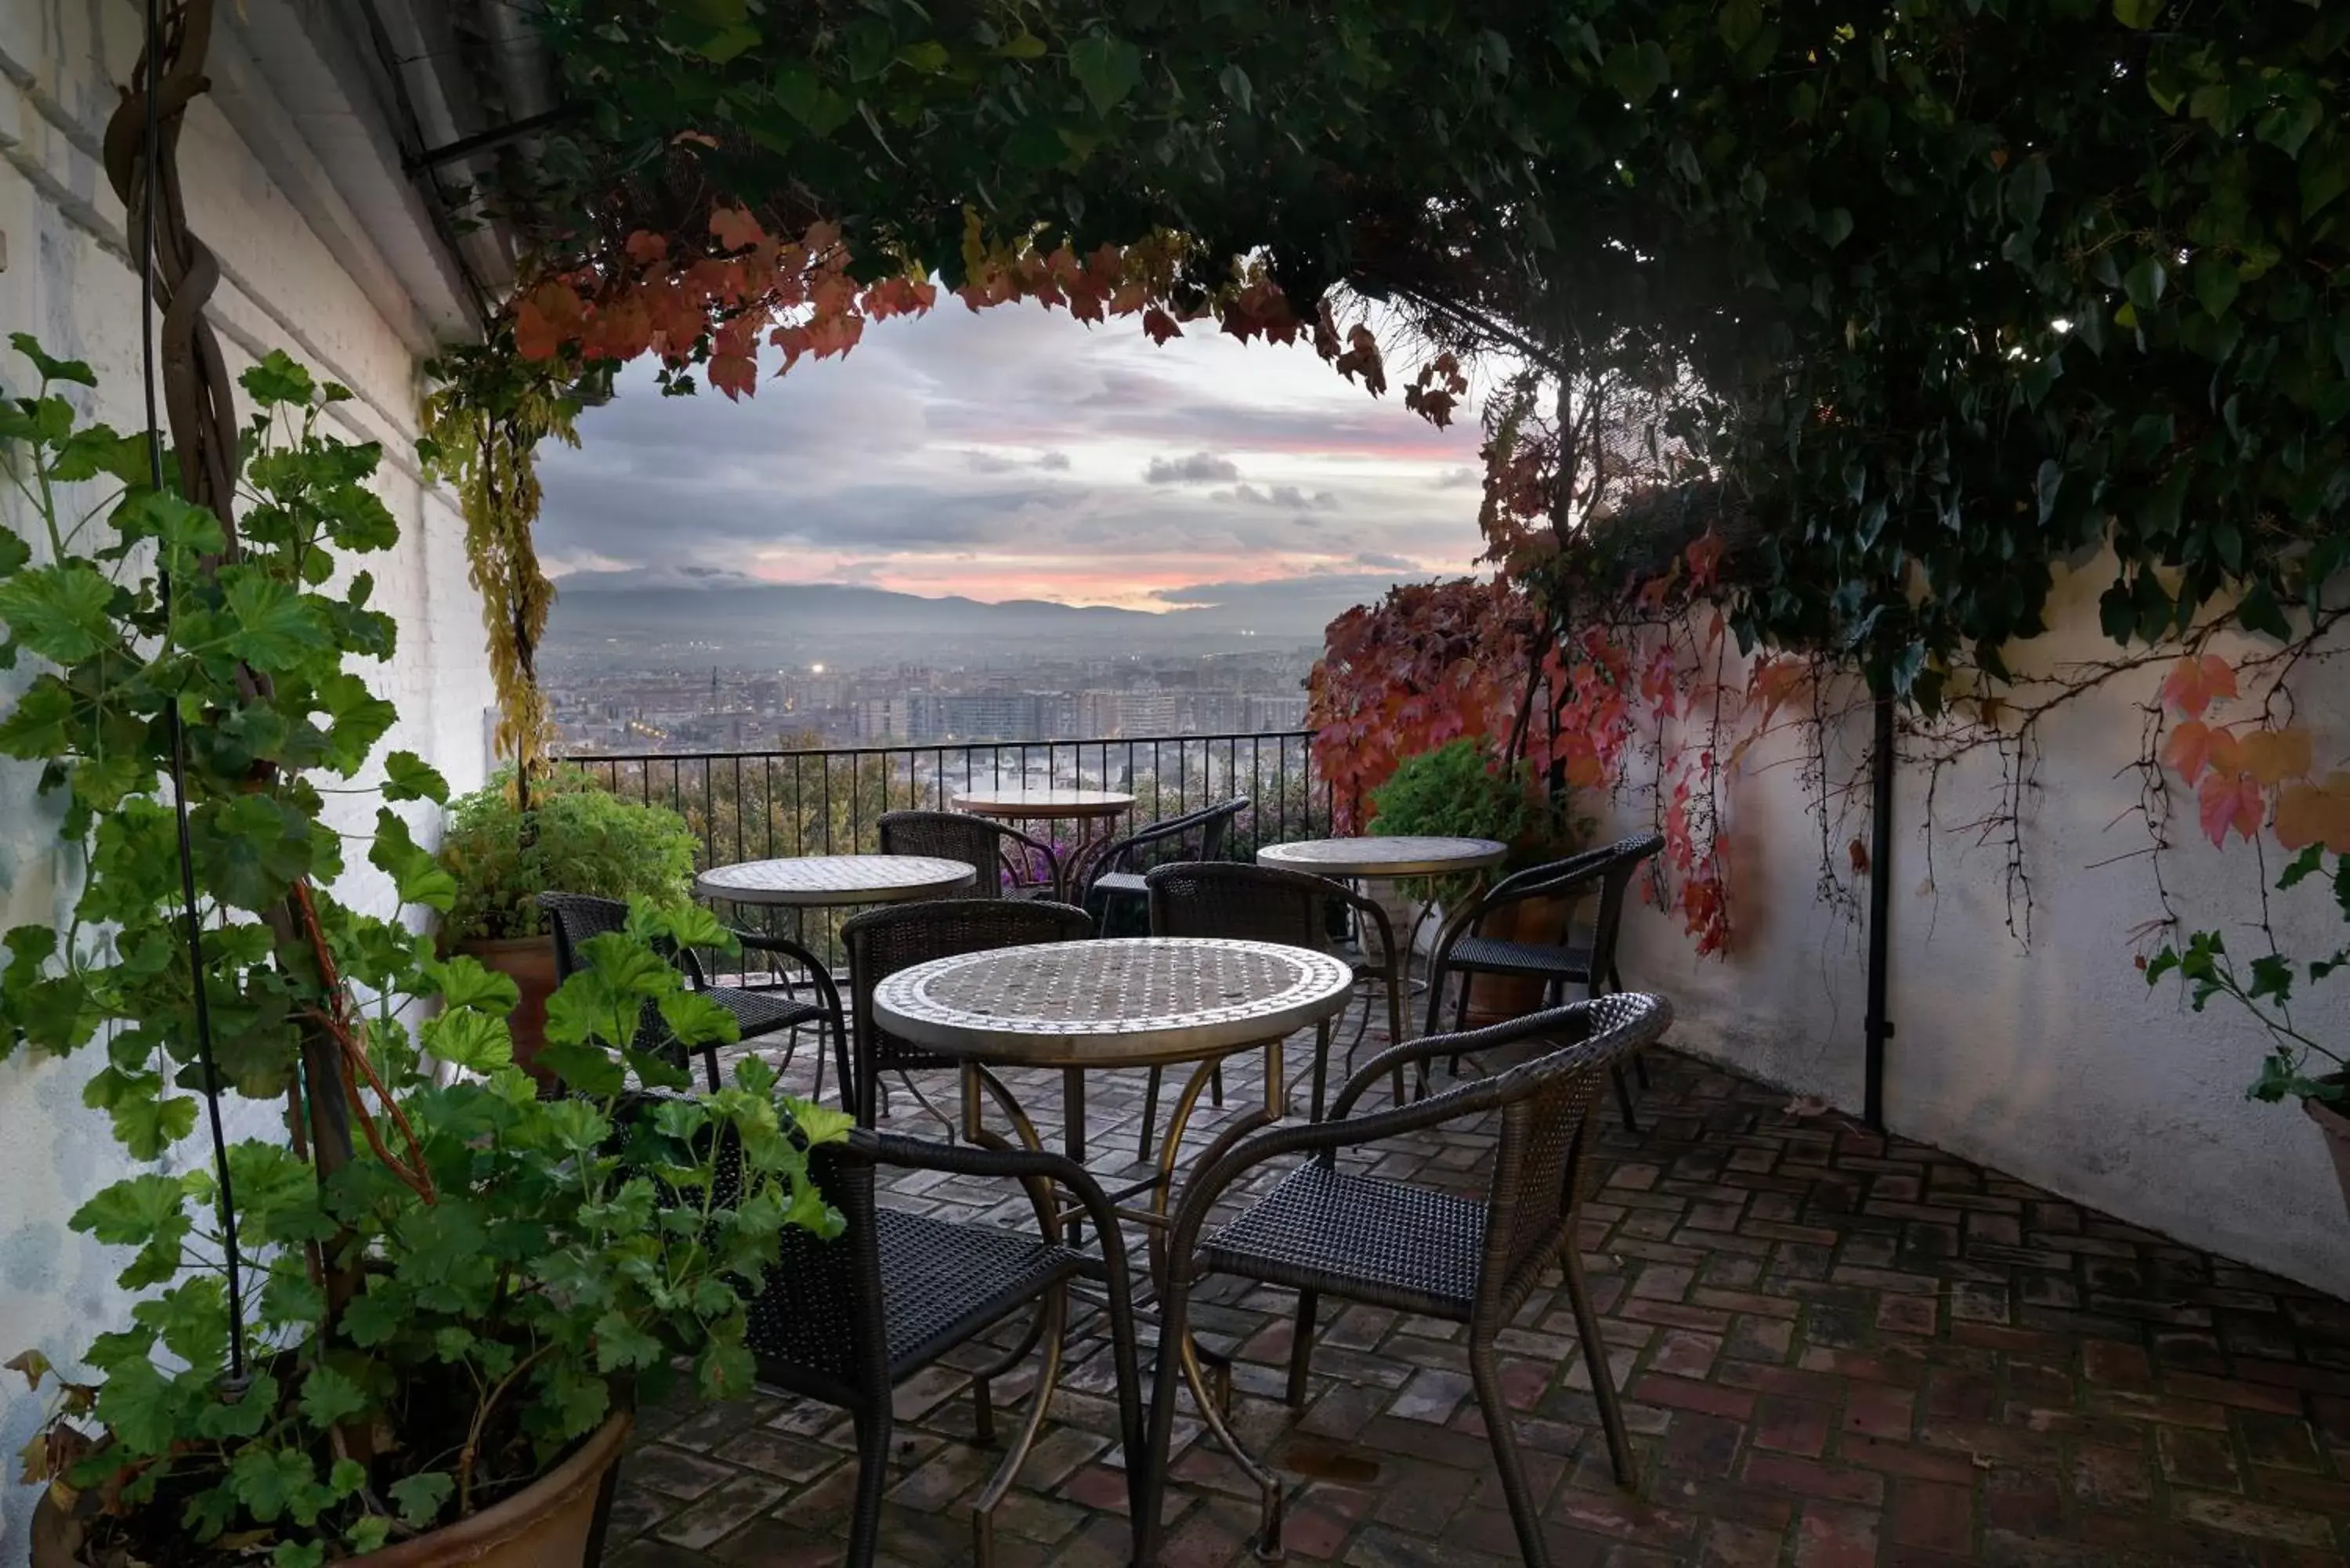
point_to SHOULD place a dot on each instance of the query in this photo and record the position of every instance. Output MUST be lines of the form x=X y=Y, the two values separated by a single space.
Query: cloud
x=1288 y=495
x=1013 y=453
x=1199 y=468
x=1379 y=562
x=1456 y=479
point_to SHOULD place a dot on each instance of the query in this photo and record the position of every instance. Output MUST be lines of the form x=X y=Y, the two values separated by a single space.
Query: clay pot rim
x=504 y=944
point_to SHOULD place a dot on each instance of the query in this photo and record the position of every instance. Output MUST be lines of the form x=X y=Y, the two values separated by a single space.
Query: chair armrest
x=1325 y=1138
x=1052 y=856
x=1030 y=1167
x=783 y=947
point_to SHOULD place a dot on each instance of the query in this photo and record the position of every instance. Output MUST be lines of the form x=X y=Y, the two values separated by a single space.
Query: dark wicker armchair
x=1266 y=904
x=1323 y=1230
x=1606 y=872
x=882 y=942
x=1109 y=880
x=994 y=849
x=846 y=1321
x=759 y=1010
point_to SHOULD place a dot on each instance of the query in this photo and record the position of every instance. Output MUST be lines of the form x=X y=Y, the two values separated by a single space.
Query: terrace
x=1838 y=1348
x=1898 y=645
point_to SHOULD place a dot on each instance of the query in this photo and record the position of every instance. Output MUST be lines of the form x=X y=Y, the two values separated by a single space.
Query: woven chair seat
x=1494 y=956
x=1361 y=1237
x=760 y=1012
x=1123 y=884
x=943 y=1282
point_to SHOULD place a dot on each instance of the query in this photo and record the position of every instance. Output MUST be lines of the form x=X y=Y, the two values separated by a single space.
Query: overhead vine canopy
x=1945 y=292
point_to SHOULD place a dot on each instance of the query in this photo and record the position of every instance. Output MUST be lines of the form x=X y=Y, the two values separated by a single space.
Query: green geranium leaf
x=268 y=1480
x=59 y=612
x=477 y=1042
x=328 y=1398
x=415 y=876
x=407 y=776
x=621 y=1344
x=52 y=370
x=278 y=380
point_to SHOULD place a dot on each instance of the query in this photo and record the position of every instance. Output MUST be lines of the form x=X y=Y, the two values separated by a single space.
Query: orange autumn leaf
x=2309 y=813
x=2194 y=684
x=644 y=247
x=2273 y=756
x=736 y=375
x=1158 y=326
x=1704 y=557
x=2227 y=800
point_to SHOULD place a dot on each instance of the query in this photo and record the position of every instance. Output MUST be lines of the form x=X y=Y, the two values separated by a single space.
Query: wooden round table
x=823 y=881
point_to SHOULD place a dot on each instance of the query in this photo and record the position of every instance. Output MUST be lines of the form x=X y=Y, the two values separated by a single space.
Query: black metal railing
x=761 y=805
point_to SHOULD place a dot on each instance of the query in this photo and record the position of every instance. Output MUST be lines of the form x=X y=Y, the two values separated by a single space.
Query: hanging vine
x=483 y=426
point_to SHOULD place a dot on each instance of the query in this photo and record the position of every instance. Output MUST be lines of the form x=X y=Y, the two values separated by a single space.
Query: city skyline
x=1016 y=453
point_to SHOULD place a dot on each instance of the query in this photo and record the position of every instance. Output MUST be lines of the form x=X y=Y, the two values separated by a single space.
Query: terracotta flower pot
x=2337 y=1127
x=1496 y=998
x=529 y=962
x=550 y=1523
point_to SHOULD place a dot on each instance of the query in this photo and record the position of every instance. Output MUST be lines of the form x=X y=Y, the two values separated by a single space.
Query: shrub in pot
x=1459 y=791
x=574 y=839
x=409 y=1320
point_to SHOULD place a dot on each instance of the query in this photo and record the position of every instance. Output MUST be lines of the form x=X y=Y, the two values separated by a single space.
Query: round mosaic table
x=1382 y=857
x=1021 y=803
x=821 y=881
x=1128 y=1002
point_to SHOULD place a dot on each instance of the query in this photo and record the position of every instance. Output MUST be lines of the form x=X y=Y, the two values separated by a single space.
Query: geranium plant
x=404 y=1307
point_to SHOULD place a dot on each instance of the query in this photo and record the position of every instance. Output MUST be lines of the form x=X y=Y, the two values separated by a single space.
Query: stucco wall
x=67 y=279
x=2052 y=1061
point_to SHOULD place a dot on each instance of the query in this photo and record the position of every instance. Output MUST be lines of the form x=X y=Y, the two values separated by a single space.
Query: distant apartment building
x=975 y=716
x=1218 y=712
x=1282 y=713
x=1144 y=713
x=885 y=719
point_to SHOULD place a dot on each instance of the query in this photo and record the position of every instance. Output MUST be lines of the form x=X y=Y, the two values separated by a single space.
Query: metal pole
x=1880 y=911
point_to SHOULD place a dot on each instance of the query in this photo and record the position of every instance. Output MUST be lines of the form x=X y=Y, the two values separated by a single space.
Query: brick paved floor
x=1838 y=1351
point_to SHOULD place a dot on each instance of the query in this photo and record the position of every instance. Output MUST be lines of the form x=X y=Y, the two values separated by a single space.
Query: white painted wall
x=2053 y=1063
x=297 y=243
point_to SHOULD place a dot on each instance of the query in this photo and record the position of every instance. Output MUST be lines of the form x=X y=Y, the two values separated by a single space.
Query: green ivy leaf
x=1637 y=70
x=2138 y=13
x=1107 y=68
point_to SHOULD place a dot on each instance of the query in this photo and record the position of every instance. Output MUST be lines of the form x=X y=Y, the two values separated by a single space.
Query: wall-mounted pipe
x=1879 y=1024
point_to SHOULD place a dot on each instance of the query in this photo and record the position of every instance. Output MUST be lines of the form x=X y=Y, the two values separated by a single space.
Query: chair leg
x=1595 y=1355
x=1623 y=1098
x=872 y=1476
x=1150 y=1495
x=1640 y=1071
x=709 y=1066
x=1216 y=1085
x=1150 y=1115
x=1461 y=1019
x=1395 y=1028
x=1301 y=1347
x=1500 y=1429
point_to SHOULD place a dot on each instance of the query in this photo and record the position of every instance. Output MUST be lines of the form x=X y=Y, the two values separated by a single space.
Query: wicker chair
x=1109 y=880
x=1607 y=871
x=882 y=942
x=1322 y=1231
x=1267 y=904
x=991 y=847
x=759 y=1010
x=846 y=1321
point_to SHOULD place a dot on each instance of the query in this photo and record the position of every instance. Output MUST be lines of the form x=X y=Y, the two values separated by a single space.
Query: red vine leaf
x=2194 y=684
x=734 y=228
x=2227 y=800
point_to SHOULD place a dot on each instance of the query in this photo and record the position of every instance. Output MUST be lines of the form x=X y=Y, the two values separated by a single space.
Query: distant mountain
x=627 y=613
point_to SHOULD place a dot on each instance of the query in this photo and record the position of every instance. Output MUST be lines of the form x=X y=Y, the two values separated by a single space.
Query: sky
x=1018 y=453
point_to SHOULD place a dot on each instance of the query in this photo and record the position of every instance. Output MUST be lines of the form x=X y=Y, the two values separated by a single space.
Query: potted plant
x=2299 y=1065
x=406 y=1320
x=572 y=837
x=1459 y=790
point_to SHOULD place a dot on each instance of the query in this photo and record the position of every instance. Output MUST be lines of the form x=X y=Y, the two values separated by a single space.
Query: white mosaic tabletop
x=1019 y=801
x=1114 y=1001
x=817 y=881
x=1398 y=857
